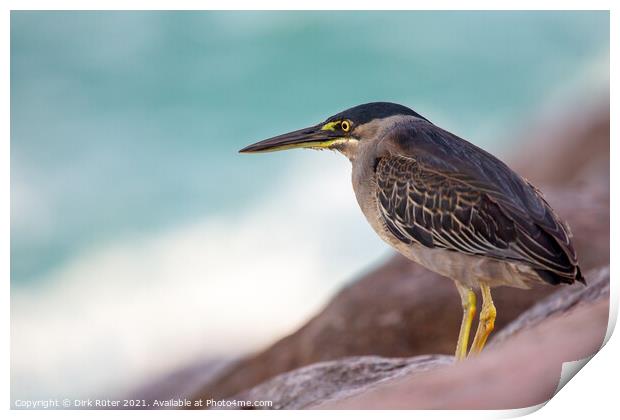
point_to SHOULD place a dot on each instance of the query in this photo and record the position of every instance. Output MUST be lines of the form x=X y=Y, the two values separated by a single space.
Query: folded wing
x=463 y=199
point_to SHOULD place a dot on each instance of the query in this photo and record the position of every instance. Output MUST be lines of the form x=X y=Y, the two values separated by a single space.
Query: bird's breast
x=364 y=182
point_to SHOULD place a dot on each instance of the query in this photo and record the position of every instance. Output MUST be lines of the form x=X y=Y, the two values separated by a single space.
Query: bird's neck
x=348 y=148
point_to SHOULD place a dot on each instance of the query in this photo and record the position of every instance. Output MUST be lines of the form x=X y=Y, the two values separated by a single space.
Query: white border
x=592 y=394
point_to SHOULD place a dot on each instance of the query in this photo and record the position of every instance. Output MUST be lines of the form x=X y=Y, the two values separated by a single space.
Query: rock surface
x=523 y=371
x=338 y=379
x=575 y=147
x=333 y=383
x=560 y=302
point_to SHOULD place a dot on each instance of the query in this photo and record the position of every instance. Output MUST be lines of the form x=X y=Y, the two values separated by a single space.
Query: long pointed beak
x=311 y=137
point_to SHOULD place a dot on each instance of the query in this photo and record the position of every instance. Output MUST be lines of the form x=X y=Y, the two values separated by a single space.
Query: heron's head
x=343 y=132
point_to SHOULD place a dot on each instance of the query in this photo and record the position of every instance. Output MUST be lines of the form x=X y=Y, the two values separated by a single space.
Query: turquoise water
x=126 y=122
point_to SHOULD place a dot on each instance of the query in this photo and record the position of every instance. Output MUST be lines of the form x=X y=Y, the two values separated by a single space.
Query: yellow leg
x=486 y=322
x=468 y=299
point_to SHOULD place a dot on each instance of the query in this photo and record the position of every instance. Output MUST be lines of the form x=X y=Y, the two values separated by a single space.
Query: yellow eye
x=345 y=125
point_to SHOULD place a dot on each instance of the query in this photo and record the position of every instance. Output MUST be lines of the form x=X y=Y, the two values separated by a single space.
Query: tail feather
x=554 y=278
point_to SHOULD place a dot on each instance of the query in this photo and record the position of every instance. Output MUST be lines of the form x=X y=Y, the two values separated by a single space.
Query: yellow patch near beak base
x=325 y=144
x=330 y=126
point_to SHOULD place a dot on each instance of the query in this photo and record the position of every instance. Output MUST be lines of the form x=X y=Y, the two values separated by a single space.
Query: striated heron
x=445 y=204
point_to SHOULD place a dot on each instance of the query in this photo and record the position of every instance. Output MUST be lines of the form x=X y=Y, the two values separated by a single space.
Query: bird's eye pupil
x=345 y=125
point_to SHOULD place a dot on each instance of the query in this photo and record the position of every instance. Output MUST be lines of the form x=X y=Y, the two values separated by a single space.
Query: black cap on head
x=364 y=113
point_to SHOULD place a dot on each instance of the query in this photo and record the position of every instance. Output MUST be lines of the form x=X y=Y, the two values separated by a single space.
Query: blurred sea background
x=141 y=240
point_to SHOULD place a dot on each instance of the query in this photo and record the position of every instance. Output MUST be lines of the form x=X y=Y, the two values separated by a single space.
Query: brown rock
x=522 y=371
x=335 y=382
x=559 y=303
x=569 y=150
x=337 y=379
